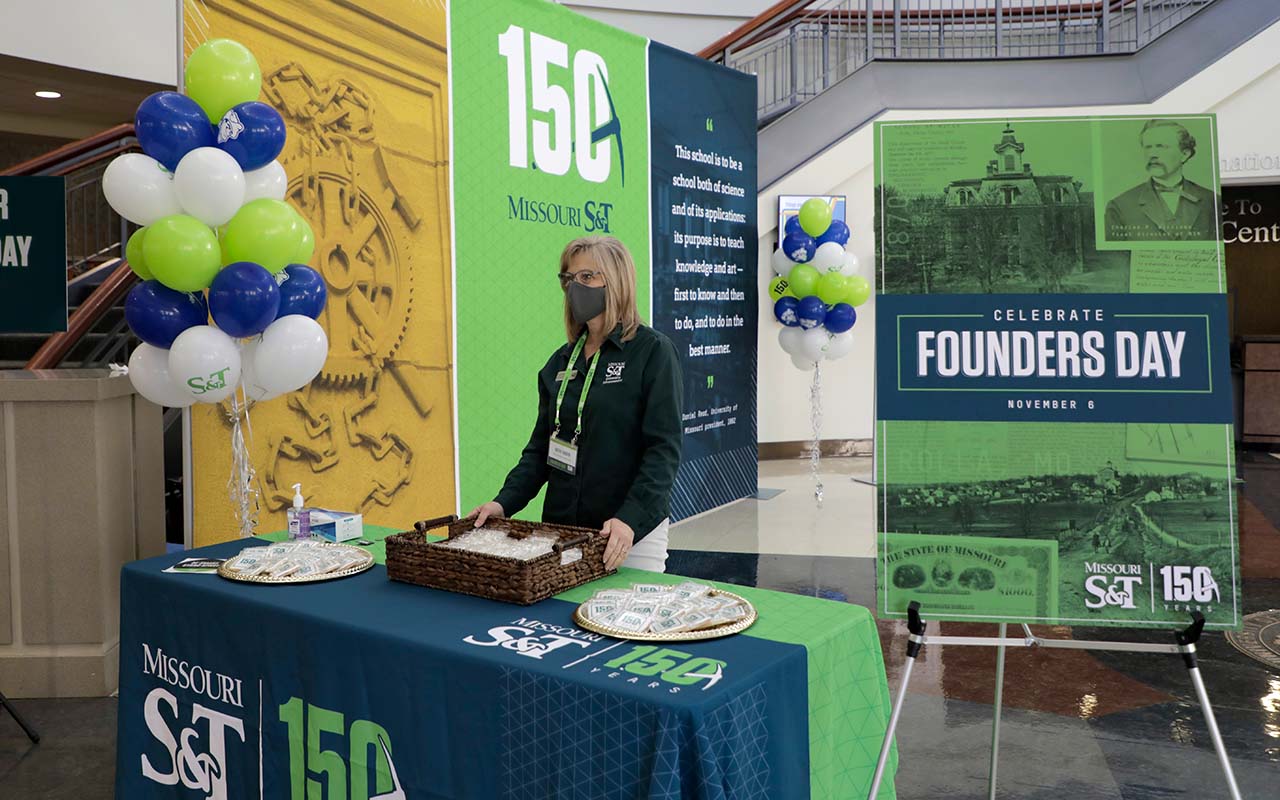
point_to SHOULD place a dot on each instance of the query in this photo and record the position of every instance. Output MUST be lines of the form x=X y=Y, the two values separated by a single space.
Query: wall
x=128 y=38
x=1241 y=88
x=689 y=25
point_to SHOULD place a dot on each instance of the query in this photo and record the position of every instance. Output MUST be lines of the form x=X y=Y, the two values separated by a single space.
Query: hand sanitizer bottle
x=299 y=516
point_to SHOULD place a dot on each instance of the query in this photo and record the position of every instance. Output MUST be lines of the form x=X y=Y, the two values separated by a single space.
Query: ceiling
x=90 y=101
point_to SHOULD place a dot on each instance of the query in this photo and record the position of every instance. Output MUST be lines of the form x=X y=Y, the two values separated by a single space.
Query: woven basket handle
x=565 y=544
x=427 y=524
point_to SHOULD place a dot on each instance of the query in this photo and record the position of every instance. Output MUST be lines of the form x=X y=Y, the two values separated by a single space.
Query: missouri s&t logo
x=533 y=639
x=196 y=751
x=1112 y=585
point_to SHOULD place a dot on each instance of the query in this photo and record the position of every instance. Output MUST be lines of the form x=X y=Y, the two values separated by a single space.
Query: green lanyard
x=564 y=384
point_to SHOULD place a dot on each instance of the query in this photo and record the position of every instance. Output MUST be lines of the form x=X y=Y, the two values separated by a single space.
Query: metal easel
x=1185 y=646
x=22 y=723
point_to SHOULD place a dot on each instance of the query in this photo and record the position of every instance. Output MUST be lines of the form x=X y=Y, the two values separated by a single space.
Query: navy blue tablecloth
x=364 y=687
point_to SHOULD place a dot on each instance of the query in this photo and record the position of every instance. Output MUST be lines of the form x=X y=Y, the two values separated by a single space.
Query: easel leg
x=1187 y=643
x=916 y=627
x=27 y=729
x=997 y=705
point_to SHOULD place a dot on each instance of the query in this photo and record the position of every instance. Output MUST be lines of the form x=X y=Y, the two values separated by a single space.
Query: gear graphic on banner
x=371 y=291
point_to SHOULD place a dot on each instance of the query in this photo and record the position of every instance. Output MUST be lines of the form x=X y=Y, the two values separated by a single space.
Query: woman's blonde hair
x=614 y=260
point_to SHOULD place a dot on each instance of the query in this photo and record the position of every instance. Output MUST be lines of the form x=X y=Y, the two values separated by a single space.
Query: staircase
x=97 y=276
x=826 y=69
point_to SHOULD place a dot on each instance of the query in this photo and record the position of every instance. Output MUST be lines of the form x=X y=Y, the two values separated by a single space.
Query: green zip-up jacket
x=629 y=450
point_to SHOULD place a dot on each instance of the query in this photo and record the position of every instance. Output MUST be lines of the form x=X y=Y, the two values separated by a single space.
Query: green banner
x=550 y=142
x=33 y=255
x=1054 y=441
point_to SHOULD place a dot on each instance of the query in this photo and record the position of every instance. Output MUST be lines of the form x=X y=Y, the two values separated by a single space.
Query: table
x=367 y=688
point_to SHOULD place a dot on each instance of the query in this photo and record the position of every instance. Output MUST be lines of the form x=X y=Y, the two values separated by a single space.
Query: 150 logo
x=1189 y=584
x=309 y=726
x=563 y=131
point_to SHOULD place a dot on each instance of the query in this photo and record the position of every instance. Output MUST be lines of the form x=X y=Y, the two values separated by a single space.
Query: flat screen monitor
x=789 y=206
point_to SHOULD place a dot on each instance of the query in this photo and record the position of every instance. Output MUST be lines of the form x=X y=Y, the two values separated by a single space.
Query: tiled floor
x=1076 y=725
x=1080 y=725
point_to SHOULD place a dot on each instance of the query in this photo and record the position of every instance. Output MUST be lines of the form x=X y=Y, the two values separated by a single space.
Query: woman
x=608 y=453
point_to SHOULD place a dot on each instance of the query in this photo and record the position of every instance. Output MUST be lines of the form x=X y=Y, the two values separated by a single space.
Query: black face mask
x=586 y=302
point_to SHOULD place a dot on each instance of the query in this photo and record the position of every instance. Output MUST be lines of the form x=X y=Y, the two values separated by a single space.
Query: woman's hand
x=621 y=537
x=489 y=509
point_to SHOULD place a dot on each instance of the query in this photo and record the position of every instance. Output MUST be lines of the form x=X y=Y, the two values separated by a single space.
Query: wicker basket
x=412 y=559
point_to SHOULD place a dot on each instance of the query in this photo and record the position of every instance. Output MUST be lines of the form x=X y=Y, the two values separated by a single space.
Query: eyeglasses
x=585 y=277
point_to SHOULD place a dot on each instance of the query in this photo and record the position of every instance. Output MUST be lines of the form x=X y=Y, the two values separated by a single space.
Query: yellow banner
x=363 y=91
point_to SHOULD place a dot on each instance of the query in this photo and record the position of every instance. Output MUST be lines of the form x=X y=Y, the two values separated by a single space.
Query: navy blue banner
x=702 y=123
x=33 y=255
x=1068 y=358
x=364 y=688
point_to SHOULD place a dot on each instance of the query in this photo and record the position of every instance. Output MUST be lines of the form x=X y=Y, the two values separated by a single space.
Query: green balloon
x=181 y=252
x=803 y=279
x=133 y=254
x=779 y=288
x=307 y=246
x=221 y=74
x=832 y=287
x=264 y=231
x=815 y=216
x=857 y=290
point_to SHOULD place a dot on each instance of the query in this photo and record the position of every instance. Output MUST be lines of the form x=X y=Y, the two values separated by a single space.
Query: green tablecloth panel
x=849 y=701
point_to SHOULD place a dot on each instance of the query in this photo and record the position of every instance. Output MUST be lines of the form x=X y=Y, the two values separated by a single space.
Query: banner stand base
x=22 y=723
x=1185 y=646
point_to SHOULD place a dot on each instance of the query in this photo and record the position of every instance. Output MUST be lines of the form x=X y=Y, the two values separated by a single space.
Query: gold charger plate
x=232 y=575
x=724 y=629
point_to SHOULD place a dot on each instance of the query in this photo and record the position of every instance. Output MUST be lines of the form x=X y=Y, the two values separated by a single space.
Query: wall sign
x=33 y=255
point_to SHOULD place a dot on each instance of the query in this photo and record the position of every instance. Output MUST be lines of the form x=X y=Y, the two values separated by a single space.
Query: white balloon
x=851 y=266
x=210 y=185
x=781 y=264
x=813 y=342
x=269 y=181
x=806 y=364
x=291 y=353
x=841 y=345
x=248 y=375
x=790 y=340
x=830 y=257
x=205 y=363
x=149 y=373
x=139 y=189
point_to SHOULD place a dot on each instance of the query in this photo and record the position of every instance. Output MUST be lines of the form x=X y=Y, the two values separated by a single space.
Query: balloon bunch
x=817 y=287
x=217 y=241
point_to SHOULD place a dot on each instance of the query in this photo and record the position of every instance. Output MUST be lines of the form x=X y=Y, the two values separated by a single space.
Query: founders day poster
x=1054 y=438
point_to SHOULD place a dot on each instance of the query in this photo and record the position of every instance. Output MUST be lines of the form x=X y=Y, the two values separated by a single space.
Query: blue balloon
x=244 y=299
x=792 y=225
x=838 y=232
x=799 y=247
x=170 y=125
x=157 y=314
x=840 y=318
x=252 y=133
x=812 y=312
x=302 y=291
x=785 y=311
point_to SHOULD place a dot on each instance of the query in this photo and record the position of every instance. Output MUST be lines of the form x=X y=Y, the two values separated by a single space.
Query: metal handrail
x=66 y=158
x=798 y=49
x=85 y=317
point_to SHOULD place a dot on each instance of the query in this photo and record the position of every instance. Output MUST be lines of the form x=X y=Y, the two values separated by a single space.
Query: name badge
x=566 y=374
x=563 y=455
